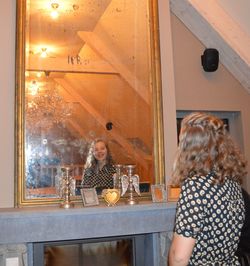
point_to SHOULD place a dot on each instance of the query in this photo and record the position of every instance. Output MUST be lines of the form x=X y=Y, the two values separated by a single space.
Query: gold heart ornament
x=111 y=196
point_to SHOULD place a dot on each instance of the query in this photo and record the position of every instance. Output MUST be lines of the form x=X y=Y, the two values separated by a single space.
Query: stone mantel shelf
x=38 y=224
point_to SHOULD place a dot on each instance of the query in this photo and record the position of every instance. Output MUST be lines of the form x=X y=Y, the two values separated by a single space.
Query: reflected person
x=99 y=167
x=210 y=210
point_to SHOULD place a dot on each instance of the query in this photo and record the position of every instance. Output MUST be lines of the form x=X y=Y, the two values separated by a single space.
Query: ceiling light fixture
x=75 y=7
x=38 y=74
x=54 y=5
x=54 y=13
x=45 y=109
x=33 y=88
x=44 y=52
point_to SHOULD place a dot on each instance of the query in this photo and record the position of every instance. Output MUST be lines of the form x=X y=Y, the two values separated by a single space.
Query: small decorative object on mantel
x=173 y=193
x=159 y=193
x=89 y=197
x=111 y=196
x=130 y=182
x=66 y=190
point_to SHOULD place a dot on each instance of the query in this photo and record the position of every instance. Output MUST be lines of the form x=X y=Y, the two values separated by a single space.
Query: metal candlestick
x=130 y=182
x=66 y=191
x=117 y=176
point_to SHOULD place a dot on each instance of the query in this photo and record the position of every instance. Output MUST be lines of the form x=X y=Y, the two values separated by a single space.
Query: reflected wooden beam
x=64 y=66
x=76 y=127
x=73 y=126
x=139 y=156
x=104 y=51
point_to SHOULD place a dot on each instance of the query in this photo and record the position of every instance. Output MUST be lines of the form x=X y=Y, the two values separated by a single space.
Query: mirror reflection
x=99 y=168
x=88 y=75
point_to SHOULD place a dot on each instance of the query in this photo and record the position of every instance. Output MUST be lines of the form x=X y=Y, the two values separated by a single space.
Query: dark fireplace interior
x=111 y=251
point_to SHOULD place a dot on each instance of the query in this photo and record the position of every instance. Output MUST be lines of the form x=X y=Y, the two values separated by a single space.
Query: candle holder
x=66 y=190
x=130 y=182
x=117 y=176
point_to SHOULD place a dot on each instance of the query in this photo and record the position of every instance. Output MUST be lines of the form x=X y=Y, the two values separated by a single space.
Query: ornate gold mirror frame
x=85 y=70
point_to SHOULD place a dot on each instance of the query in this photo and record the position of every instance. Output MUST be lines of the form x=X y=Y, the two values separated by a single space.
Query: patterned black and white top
x=102 y=178
x=213 y=215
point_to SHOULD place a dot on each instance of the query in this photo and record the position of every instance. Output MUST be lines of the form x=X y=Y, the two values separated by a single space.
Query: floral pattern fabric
x=213 y=214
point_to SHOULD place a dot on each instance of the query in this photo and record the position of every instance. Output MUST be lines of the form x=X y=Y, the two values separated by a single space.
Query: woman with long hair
x=210 y=210
x=99 y=167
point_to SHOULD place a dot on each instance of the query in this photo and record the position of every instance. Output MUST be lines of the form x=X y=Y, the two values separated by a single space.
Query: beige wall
x=168 y=84
x=194 y=89
x=239 y=11
x=7 y=89
x=199 y=90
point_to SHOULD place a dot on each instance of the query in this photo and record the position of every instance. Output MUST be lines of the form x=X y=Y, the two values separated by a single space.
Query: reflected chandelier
x=43 y=111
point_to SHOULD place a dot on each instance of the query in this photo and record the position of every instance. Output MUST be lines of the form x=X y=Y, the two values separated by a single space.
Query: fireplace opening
x=111 y=251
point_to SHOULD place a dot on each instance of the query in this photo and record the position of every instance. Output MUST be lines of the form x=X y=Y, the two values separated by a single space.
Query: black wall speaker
x=210 y=60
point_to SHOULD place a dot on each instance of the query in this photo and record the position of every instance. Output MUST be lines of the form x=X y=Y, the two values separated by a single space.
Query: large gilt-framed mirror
x=85 y=70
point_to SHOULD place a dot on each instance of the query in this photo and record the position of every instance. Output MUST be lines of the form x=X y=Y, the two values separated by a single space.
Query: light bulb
x=44 y=52
x=38 y=74
x=54 y=14
x=34 y=88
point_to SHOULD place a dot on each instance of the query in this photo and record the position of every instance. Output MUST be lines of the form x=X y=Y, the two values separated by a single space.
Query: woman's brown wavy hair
x=205 y=146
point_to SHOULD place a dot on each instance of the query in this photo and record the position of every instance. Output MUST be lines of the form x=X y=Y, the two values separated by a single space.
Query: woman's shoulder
x=198 y=185
x=199 y=180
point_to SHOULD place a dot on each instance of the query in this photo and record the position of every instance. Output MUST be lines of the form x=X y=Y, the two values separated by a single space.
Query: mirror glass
x=86 y=70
